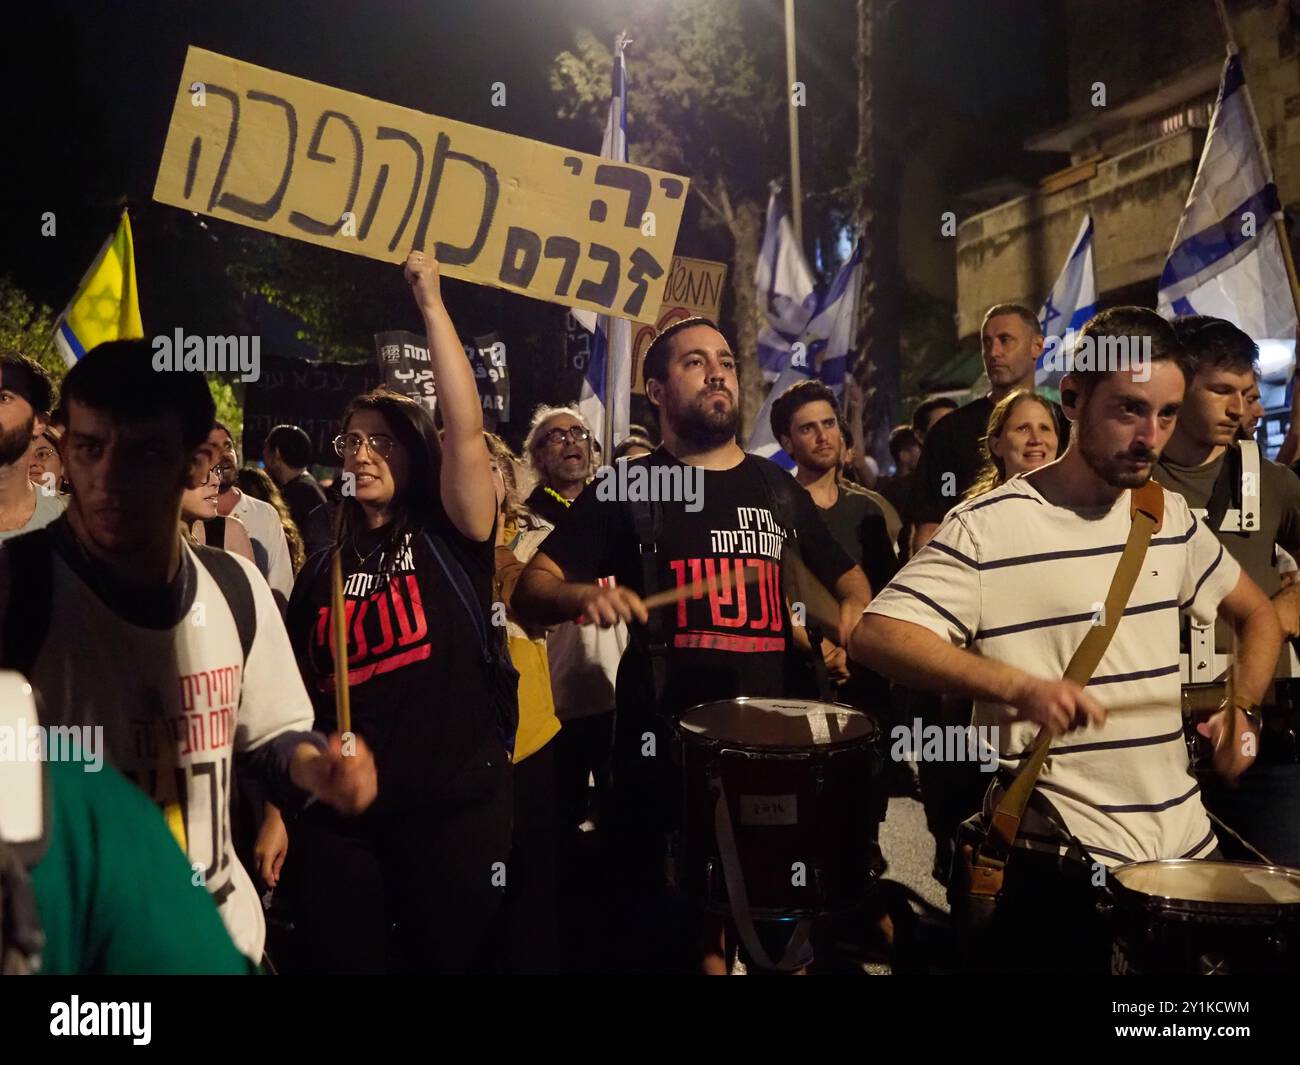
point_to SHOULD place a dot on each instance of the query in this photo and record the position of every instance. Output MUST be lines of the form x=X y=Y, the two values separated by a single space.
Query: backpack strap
x=780 y=487
x=31 y=589
x=495 y=654
x=648 y=524
x=235 y=589
x=460 y=584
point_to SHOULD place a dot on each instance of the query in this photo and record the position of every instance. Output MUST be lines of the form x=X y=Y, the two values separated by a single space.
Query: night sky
x=89 y=88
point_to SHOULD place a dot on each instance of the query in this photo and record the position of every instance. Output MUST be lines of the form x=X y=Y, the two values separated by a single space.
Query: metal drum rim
x=872 y=737
x=1152 y=901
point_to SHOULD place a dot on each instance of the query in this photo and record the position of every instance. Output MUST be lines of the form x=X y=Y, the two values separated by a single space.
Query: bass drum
x=780 y=792
x=1204 y=918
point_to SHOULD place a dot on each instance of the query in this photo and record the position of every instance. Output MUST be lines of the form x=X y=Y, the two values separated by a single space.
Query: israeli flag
x=786 y=291
x=1226 y=260
x=1072 y=301
x=823 y=350
x=608 y=377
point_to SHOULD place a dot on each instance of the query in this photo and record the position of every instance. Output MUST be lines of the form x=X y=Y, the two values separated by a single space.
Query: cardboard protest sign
x=311 y=395
x=304 y=160
x=404 y=362
x=694 y=287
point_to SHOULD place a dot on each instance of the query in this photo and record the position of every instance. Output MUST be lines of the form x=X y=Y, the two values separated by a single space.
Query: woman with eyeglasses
x=45 y=469
x=413 y=884
x=200 y=523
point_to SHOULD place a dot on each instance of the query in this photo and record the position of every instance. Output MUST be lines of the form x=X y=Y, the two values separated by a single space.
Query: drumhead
x=1231 y=883
x=778 y=722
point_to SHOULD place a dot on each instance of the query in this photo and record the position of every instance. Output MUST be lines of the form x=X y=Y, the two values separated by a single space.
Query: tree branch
x=698 y=188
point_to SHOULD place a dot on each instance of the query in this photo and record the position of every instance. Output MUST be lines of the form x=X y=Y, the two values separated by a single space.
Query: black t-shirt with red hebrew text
x=733 y=640
x=419 y=696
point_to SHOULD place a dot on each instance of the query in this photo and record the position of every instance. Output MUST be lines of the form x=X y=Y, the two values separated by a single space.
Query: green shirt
x=115 y=893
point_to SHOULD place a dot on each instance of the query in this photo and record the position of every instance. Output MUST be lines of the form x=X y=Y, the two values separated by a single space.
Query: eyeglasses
x=558 y=436
x=348 y=444
x=218 y=472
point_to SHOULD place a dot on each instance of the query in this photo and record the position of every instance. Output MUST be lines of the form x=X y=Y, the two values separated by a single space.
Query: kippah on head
x=656 y=356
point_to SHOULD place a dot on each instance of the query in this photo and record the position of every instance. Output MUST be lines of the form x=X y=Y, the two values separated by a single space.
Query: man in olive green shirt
x=1207 y=465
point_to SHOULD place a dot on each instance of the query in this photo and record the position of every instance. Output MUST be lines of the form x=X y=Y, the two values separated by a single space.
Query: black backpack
x=31 y=583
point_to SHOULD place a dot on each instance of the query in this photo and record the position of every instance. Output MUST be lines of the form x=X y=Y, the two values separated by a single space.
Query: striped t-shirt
x=1016 y=578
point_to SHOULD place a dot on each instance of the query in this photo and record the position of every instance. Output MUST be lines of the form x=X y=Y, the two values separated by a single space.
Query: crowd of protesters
x=501 y=663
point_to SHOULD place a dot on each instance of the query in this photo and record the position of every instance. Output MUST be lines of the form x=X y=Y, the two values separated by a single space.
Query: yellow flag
x=107 y=305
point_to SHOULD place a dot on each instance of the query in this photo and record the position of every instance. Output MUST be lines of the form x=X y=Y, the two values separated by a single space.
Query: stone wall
x=1015 y=250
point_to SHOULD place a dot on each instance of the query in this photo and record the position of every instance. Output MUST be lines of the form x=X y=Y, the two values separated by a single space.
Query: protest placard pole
x=339 y=631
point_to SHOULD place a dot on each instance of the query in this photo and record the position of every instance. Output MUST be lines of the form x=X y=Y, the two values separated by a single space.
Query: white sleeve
x=939 y=588
x=264 y=525
x=279 y=566
x=273 y=698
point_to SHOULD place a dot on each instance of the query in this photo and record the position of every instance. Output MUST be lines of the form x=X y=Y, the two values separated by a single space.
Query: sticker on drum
x=769 y=809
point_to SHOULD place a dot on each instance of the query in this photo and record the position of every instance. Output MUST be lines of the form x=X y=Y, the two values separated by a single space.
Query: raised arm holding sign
x=467 y=490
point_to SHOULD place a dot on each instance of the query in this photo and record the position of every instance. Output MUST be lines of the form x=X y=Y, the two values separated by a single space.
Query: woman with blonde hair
x=256 y=482
x=1022 y=435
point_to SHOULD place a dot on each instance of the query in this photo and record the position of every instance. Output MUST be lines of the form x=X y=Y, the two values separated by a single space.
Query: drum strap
x=738 y=897
x=1146 y=508
x=647 y=523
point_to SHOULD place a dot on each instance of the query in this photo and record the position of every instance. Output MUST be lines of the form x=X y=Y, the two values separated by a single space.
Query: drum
x=1204 y=918
x=778 y=791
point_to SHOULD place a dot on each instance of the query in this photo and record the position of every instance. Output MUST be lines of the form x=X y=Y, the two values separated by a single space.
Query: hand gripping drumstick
x=686 y=591
x=689 y=591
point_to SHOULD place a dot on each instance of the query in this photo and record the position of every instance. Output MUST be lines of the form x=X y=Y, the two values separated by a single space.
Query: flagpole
x=611 y=383
x=94 y=265
x=796 y=191
x=1283 y=238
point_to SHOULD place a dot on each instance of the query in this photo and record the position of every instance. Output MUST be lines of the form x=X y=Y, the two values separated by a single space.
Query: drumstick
x=688 y=591
x=342 y=696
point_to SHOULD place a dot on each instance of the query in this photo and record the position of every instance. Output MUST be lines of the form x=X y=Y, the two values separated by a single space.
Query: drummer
x=719 y=515
x=1012 y=580
x=1253 y=507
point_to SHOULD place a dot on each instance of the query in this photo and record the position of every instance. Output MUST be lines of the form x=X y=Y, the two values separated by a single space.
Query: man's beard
x=1112 y=468
x=700 y=425
x=822 y=463
x=15 y=442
